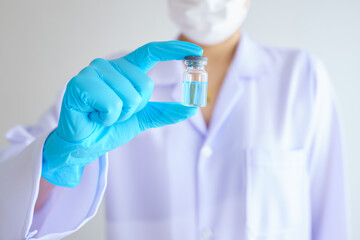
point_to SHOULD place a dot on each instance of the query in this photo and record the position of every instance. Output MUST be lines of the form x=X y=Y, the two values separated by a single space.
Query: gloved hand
x=106 y=105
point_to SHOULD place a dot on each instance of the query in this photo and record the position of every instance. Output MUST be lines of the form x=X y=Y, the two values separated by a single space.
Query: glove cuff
x=60 y=166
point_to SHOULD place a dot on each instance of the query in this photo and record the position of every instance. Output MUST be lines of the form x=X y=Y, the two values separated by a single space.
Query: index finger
x=147 y=56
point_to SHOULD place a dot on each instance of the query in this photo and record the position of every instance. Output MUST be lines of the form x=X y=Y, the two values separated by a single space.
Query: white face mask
x=208 y=22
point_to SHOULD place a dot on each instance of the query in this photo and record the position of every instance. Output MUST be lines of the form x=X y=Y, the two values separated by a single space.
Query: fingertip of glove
x=158 y=114
x=183 y=110
x=189 y=47
x=197 y=51
x=191 y=110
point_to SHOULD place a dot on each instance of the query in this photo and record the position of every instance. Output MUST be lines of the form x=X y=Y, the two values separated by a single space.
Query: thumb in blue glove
x=106 y=105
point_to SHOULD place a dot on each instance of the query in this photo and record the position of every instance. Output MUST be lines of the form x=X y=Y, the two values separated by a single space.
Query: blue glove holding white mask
x=106 y=105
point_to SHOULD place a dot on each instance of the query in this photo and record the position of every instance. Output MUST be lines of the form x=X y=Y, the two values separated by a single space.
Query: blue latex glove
x=106 y=105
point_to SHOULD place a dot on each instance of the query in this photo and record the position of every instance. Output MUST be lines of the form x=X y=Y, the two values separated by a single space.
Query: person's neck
x=218 y=54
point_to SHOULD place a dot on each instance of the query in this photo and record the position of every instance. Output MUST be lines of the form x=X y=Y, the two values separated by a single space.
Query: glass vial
x=195 y=82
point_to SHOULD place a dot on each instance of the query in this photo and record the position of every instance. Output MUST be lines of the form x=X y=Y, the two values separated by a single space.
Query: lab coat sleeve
x=66 y=210
x=328 y=198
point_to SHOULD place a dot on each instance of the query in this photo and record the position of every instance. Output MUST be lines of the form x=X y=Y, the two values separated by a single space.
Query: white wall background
x=43 y=43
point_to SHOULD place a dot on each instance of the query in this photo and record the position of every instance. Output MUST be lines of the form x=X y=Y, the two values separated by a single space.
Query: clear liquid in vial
x=195 y=93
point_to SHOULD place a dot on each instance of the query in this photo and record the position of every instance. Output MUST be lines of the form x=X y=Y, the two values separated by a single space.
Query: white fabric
x=208 y=22
x=269 y=167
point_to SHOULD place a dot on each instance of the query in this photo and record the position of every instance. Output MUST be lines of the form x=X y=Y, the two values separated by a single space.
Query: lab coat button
x=207 y=233
x=206 y=151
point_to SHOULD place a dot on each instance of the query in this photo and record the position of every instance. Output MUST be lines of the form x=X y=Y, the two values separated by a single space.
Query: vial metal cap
x=195 y=61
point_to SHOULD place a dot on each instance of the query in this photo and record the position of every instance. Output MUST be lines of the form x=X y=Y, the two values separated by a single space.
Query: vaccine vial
x=195 y=82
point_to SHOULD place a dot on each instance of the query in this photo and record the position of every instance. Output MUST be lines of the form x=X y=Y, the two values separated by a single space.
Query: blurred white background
x=43 y=43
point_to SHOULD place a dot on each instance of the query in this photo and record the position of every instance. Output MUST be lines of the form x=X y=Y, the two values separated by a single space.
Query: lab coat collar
x=249 y=59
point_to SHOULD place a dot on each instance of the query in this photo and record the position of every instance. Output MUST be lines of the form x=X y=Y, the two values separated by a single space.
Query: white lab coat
x=269 y=166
